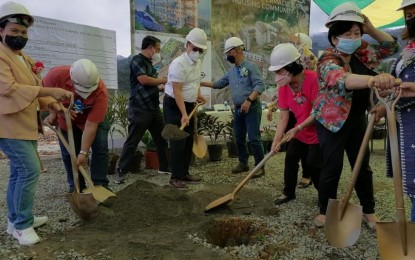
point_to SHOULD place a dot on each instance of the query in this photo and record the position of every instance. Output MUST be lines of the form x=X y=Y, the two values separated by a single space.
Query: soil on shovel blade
x=147 y=221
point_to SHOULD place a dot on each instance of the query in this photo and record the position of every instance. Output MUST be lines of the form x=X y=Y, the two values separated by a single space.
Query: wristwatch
x=249 y=99
x=83 y=152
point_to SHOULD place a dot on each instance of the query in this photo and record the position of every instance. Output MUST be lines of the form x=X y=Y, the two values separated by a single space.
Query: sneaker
x=178 y=184
x=190 y=179
x=119 y=176
x=26 y=237
x=164 y=172
x=240 y=168
x=37 y=222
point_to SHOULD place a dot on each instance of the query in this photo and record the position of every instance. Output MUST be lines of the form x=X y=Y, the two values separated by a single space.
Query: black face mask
x=16 y=42
x=231 y=59
x=410 y=26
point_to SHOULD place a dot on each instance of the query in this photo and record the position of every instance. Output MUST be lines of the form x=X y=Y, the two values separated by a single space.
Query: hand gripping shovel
x=100 y=193
x=84 y=204
x=396 y=239
x=173 y=132
x=231 y=196
x=344 y=220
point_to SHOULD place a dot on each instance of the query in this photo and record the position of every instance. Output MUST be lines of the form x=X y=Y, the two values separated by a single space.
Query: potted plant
x=150 y=154
x=212 y=127
x=230 y=138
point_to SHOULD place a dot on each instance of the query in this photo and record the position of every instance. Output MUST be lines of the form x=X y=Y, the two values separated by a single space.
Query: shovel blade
x=220 y=202
x=84 y=205
x=99 y=193
x=342 y=232
x=173 y=132
x=199 y=146
x=390 y=243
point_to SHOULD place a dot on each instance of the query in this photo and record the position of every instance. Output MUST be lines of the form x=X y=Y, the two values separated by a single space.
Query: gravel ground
x=291 y=230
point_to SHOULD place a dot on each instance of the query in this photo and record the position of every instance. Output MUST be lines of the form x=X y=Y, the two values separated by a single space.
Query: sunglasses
x=198 y=49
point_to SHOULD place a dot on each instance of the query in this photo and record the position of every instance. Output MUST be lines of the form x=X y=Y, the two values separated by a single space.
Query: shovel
x=199 y=143
x=396 y=239
x=84 y=204
x=100 y=193
x=173 y=132
x=344 y=220
x=231 y=196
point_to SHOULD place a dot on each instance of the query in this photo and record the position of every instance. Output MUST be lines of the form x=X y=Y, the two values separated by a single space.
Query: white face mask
x=283 y=80
x=84 y=95
x=156 y=58
x=194 y=55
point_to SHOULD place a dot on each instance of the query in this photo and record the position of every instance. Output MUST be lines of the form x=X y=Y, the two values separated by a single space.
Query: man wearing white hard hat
x=347 y=71
x=182 y=91
x=89 y=125
x=246 y=85
x=404 y=68
x=297 y=90
x=22 y=97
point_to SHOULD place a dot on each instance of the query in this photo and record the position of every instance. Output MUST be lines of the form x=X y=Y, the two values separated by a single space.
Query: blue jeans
x=24 y=174
x=413 y=210
x=99 y=156
x=249 y=123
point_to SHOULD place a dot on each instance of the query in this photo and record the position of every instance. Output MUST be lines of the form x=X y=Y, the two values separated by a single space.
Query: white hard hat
x=282 y=55
x=84 y=75
x=345 y=12
x=406 y=3
x=305 y=39
x=231 y=43
x=10 y=8
x=197 y=37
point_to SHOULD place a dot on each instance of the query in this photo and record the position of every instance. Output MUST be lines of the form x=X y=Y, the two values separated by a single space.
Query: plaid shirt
x=142 y=97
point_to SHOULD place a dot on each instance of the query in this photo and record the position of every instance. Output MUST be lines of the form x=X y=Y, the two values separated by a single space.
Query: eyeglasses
x=349 y=12
x=198 y=49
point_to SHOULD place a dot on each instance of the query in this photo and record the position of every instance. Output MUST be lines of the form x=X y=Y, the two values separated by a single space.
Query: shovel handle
x=257 y=167
x=191 y=113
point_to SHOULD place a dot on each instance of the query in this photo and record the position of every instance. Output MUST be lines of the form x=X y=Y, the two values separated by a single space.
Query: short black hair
x=338 y=28
x=294 y=68
x=149 y=41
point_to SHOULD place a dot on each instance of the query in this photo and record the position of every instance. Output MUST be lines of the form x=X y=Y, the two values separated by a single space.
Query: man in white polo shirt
x=182 y=91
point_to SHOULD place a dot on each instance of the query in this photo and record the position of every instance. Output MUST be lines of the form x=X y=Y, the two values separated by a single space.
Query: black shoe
x=280 y=200
x=240 y=168
x=190 y=179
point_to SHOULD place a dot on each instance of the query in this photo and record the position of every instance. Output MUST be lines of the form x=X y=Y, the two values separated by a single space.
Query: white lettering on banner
x=270 y=5
x=56 y=42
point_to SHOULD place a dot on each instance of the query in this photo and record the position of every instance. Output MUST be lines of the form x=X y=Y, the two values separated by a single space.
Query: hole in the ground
x=225 y=232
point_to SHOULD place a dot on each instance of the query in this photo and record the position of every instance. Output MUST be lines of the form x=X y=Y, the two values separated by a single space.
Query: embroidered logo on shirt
x=79 y=107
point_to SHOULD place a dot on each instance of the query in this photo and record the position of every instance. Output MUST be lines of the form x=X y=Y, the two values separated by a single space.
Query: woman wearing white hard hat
x=21 y=97
x=297 y=90
x=404 y=68
x=346 y=72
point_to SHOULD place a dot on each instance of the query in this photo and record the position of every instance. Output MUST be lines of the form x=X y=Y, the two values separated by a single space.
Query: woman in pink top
x=297 y=90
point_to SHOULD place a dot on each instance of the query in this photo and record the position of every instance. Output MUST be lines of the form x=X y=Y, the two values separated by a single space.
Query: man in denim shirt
x=246 y=85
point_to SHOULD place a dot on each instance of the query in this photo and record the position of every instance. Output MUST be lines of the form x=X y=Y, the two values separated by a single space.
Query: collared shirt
x=242 y=80
x=142 y=97
x=188 y=72
x=334 y=102
x=94 y=108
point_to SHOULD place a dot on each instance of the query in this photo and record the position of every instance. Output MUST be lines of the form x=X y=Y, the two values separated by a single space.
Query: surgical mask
x=156 y=58
x=348 y=46
x=410 y=26
x=16 y=42
x=231 y=59
x=282 y=80
x=194 y=55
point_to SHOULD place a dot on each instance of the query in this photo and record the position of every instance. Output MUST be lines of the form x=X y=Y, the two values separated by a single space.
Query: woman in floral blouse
x=346 y=71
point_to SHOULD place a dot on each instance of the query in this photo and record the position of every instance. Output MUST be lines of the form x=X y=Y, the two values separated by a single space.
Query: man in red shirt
x=89 y=125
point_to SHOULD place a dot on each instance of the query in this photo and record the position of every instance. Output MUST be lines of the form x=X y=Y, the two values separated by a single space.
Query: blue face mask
x=348 y=46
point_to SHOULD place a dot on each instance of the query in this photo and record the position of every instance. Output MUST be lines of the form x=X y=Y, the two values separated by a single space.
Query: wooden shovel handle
x=191 y=113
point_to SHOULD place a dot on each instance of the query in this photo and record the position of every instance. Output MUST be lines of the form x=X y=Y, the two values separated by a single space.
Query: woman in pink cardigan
x=21 y=99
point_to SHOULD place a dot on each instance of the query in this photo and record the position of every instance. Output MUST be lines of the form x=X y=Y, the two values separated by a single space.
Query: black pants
x=332 y=146
x=180 y=150
x=297 y=151
x=139 y=123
